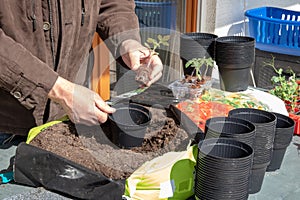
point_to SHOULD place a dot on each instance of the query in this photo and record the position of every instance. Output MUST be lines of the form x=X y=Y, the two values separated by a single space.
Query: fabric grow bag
x=40 y=168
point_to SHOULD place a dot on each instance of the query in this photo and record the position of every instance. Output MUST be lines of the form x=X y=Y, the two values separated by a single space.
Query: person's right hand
x=81 y=104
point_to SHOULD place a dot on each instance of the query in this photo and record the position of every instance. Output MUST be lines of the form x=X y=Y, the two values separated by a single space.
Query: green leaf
x=160 y=38
x=155 y=43
x=165 y=43
x=190 y=62
x=166 y=38
x=151 y=41
x=147 y=45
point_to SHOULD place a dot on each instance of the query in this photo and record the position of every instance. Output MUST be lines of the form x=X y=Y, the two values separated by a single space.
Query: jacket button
x=46 y=26
x=17 y=95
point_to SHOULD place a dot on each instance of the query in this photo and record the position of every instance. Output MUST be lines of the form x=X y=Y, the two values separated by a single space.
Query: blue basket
x=275 y=29
x=156 y=14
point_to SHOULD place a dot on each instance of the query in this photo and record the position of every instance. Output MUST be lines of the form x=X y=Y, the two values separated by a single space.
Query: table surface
x=283 y=184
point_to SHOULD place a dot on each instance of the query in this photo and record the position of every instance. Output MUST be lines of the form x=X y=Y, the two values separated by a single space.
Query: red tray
x=296 y=118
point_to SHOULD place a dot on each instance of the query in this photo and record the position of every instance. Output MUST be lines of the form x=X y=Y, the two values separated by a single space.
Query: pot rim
x=146 y=112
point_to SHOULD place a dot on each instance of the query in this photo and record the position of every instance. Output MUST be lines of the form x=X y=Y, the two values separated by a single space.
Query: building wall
x=226 y=17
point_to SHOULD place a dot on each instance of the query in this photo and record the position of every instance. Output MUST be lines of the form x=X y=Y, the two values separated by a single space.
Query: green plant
x=285 y=88
x=198 y=63
x=153 y=44
x=143 y=73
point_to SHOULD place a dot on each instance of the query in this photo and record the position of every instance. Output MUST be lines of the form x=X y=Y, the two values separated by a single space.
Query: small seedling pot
x=129 y=124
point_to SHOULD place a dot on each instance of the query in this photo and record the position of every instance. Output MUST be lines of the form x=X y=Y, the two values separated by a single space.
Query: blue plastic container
x=275 y=29
x=156 y=14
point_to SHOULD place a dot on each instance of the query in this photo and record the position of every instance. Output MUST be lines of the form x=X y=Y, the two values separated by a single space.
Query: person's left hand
x=135 y=55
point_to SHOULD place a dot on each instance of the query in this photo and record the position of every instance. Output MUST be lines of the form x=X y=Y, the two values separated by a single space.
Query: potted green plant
x=285 y=86
x=196 y=45
x=192 y=85
x=199 y=74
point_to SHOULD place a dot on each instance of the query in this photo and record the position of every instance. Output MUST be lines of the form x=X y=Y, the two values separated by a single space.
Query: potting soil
x=91 y=147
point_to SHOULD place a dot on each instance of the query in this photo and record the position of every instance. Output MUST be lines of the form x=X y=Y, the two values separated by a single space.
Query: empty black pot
x=234 y=78
x=223 y=169
x=284 y=132
x=235 y=50
x=230 y=127
x=257 y=177
x=265 y=123
x=235 y=56
x=129 y=124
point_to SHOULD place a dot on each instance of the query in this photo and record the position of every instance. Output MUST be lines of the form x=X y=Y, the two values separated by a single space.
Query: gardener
x=45 y=43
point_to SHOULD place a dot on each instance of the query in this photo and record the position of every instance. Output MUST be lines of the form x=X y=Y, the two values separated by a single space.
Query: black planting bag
x=40 y=168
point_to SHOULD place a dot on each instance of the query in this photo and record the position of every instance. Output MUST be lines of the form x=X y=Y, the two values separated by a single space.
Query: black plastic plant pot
x=283 y=136
x=257 y=177
x=265 y=124
x=224 y=155
x=196 y=45
x=235 y=49
x=235 y=56
x=129 y=124
x=223 y=169
x=276 y=161
x=230 y=127
x=225 y=149
x=234 y=77
x=284 y=130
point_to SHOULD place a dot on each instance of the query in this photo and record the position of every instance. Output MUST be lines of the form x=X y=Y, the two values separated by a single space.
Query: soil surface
x=92 y=147
x=194 y=81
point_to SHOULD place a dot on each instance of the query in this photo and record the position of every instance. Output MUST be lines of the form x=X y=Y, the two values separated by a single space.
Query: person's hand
x=81 y=104
x=135 y=55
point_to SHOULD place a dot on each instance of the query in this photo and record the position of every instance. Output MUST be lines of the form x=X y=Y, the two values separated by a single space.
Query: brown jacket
x=41 y=40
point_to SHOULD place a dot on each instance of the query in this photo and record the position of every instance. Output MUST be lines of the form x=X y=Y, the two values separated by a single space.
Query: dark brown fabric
x=30 y=63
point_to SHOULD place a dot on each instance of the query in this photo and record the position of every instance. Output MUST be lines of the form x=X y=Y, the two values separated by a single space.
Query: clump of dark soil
x=194 y=82
x=92 y=147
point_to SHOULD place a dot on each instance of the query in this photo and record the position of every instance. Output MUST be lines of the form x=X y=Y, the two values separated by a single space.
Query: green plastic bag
x=170 y=176
x=36 y=130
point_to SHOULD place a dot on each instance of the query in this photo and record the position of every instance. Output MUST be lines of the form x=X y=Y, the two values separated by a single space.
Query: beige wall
x=226 y=17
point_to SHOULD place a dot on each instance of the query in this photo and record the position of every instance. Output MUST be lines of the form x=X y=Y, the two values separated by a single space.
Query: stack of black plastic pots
x=230 y=127
x=283 y=136
x=265 y=124
x=235 y=56
x=222 y=170
x=196 y=45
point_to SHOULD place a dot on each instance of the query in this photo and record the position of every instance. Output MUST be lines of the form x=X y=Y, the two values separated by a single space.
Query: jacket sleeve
x=22 y=74
x=117 y=22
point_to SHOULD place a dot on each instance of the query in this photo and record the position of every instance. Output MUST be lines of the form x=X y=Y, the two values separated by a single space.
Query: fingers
x=102 y=109
x=145 y=53
x=103 y=106
x=156 y=70
x=132 y=52
x=86 y=107
x=101 y=116
x=156 y=65
x=133 y=59
x=156 y=78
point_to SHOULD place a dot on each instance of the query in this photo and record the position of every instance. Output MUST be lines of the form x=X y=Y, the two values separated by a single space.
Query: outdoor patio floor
x=281 y=184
